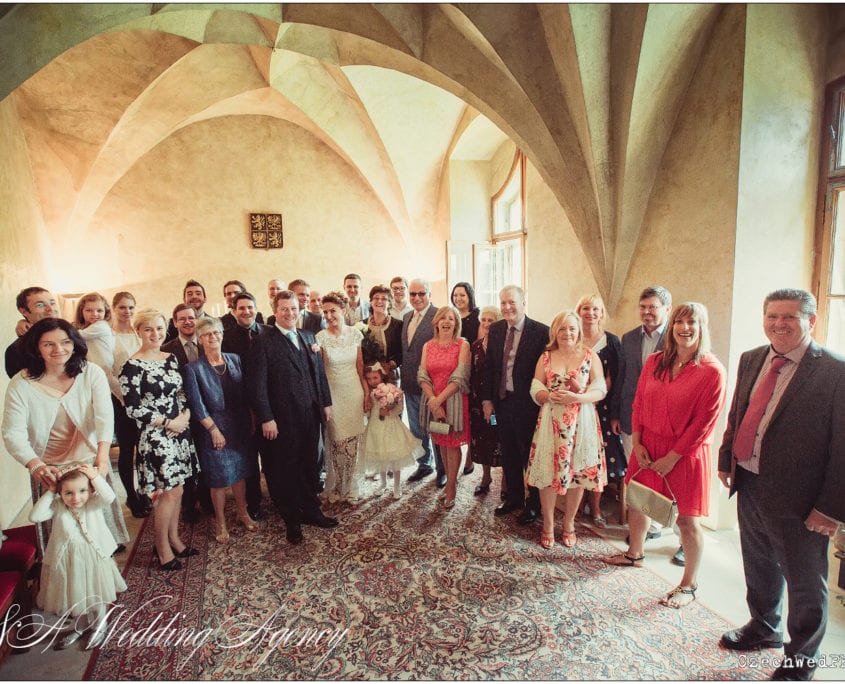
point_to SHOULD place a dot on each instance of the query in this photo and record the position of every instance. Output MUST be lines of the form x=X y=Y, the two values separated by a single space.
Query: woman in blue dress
x=221 y=424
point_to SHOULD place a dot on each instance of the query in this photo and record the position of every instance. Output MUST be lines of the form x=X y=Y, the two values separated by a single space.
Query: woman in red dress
x=680 y=394
x=444 y=378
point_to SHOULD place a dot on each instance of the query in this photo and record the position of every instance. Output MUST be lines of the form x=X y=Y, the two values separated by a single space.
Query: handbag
x=439 y=427
x=653 y=504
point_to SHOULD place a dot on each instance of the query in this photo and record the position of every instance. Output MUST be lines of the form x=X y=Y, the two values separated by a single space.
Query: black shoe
x=481 y=490
x=794 y=669
x=321 y=521
x=469 y=470
x=679 y=558
x=420 y=473
x=528 y=516
x=254 y=512
x=294 y=534
x=748 y=638
x=187 y=552
x=441 y=481
x=170 y=565
x=648 y=536
x=505 y=508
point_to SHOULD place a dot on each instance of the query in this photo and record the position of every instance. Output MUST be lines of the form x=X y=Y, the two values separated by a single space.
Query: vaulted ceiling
x=589 y=92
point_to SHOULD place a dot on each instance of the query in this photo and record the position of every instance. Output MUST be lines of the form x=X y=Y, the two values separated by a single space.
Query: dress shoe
x=321 y=521
x=470 y=469
x=480 y=490
x=187 y=552
x=528 y=516
x=420 y=473
x=679 y=558
x=748 y=638
x=794 y=669
x=505 y=508
x=68 y=640
x=441 y=480
x=294 y=534
x=254 y=512
x=171 y=565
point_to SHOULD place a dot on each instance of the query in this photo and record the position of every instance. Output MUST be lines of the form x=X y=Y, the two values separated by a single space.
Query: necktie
x=191 y=351
x=743 y=446
x=503 y=385
x=292 y=337
x=412 y=328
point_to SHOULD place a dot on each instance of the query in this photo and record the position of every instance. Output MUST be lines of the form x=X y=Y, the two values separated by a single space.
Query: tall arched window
x=829 y=268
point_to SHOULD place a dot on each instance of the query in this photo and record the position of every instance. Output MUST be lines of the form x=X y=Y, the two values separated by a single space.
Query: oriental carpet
x=403 y=590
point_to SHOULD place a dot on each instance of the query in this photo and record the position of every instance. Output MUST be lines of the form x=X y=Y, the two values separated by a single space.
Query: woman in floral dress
x=567 y=455
x=154 y=396
x=341 y=348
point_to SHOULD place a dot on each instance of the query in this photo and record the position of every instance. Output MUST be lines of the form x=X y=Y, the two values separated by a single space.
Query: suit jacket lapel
x=803 y=374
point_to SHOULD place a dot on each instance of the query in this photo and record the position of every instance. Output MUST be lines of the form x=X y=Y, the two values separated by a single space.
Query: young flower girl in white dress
x=79 y=577
x=387 y=444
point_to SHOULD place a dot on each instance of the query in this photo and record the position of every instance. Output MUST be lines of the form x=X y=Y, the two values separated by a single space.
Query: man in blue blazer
x=416 y=331
x=788 y=466
x=505 y=391
x=290 y=397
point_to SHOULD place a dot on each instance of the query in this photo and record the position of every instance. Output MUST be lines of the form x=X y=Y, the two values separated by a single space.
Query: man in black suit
x=784 y=453
x=239 y=340
x=232 y=289
x=34 y=303
x=416 y=331
x=513 y=346
x=193 y=294
x=307 y=320
x=290 y=396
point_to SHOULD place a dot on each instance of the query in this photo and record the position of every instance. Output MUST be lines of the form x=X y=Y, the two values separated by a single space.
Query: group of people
x=563 y=409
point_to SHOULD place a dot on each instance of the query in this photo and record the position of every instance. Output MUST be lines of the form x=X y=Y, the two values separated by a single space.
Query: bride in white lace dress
x=341 y=349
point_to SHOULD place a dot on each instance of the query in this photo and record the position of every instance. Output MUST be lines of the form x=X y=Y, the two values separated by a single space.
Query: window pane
x=836 y=325
x=837 y=245
x=840 y=145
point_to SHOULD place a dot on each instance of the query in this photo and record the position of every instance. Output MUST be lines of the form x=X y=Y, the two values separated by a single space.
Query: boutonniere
x=315 y=348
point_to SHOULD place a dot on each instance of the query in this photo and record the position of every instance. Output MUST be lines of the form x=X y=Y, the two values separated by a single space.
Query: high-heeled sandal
x=679 y=597
x=569 y=538
x=623 y=560
x=221 y=534
x=247 y=522
x=547 y=541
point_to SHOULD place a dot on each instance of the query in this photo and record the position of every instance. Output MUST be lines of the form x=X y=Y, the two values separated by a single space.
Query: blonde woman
x=154 y=397
x=607 y=347
x=567 y=455
x=444 y=379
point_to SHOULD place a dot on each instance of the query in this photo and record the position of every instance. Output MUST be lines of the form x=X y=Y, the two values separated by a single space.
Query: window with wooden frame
x=502 y=261
x=829 y=267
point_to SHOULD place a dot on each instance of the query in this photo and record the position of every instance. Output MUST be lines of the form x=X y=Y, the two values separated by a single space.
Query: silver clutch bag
x=659 y=508
x=439 y=427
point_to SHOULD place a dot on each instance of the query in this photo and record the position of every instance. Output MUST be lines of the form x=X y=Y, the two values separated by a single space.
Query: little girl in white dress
x=387 y=444
x=79 y=577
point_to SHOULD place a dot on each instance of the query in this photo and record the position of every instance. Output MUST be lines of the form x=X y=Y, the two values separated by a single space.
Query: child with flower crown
x=387 y=444
x=79 y=577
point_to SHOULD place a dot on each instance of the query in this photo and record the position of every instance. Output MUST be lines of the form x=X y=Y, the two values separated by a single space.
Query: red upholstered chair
x=19 y=550
x=13 y=590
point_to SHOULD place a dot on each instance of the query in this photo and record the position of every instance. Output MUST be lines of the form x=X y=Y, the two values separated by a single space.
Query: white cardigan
x=29 y=413
x=100 y=339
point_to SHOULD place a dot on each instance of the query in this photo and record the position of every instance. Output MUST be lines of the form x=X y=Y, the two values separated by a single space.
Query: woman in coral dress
x=444 y=379
x=566 y=455
x=679 y=397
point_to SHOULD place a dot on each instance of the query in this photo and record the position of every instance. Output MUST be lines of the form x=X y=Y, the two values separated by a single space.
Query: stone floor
x=721 y=583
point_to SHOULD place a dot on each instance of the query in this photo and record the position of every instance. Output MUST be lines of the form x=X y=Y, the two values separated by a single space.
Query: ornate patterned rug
x=403 y=590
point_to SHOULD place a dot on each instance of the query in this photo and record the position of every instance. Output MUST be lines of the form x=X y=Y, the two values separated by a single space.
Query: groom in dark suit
x=513 y=346
x=290 y=397
x=784 y=453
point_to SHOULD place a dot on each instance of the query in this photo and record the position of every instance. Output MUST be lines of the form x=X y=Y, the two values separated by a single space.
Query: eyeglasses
x=212 y=333
x=417 y=294
x=397 y=288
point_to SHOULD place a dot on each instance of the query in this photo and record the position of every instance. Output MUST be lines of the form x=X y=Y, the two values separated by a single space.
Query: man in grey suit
x=416 y=331
x=784 y=453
